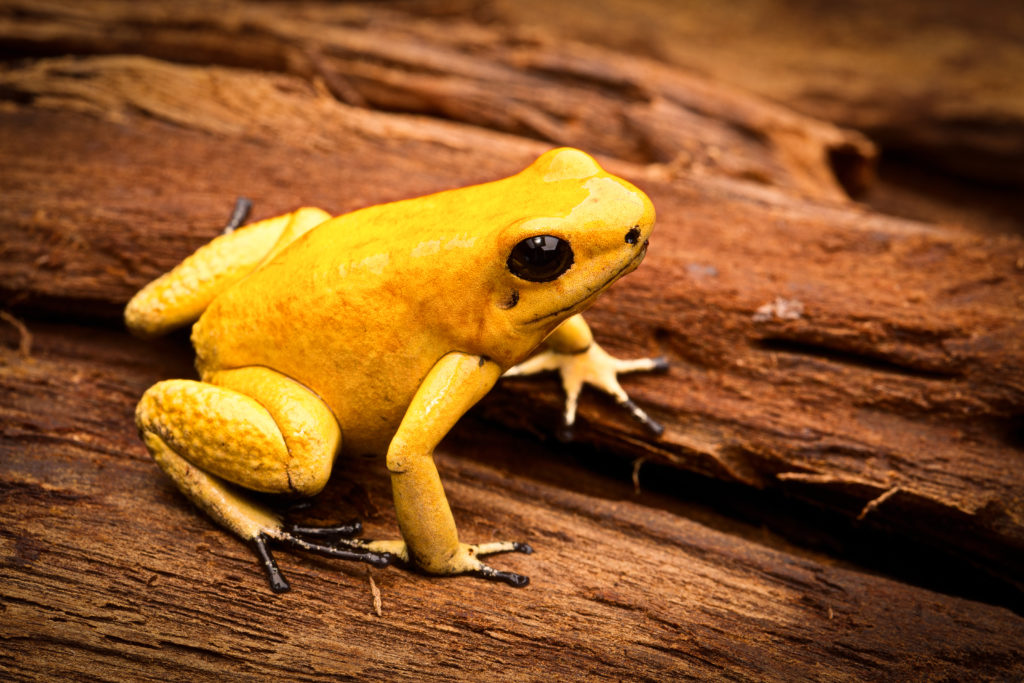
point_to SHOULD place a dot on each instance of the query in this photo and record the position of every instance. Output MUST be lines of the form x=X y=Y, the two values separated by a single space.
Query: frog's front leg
x=431 y=541
x=572 y=351
x=254 y=428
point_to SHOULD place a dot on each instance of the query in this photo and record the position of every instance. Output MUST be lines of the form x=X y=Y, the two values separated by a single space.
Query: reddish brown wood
x=935 y=80
x=906 y=355
x=109 y=572
x=562 y=92
x=869 y=366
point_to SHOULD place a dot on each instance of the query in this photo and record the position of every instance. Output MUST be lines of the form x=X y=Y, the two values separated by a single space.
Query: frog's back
x=359 y=309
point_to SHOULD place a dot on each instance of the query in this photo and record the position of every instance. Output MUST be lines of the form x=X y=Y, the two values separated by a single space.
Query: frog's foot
x=465 y=560
x=347 y=530
x=311 y=539
x=258 y=526
x=596 y=367
x=278 y=584
x=239 y=214
x=336 y=541
x=485 y=572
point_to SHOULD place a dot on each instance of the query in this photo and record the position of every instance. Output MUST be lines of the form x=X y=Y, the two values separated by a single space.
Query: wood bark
x=871 y=367
x=108 y=572
x=573 y=94
x=938 y=81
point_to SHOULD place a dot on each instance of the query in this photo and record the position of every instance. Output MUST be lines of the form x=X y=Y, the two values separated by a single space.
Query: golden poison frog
x=372 y=333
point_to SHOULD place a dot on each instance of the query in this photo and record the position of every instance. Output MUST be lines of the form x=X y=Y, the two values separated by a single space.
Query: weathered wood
x=871 y=366
x=938 y=80
x=106 y=568
x=564 y=93
x=900 y=375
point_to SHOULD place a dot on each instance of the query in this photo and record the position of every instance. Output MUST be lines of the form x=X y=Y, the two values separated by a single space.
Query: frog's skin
x=372 y=333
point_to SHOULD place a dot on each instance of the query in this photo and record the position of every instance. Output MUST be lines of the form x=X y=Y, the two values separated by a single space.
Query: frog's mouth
x=593 y=293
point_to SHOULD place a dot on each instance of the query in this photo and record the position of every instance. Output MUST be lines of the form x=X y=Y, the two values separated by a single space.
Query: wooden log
x=108 y=570
x=871 y=366
x=610 y=103
x=938 y=82
x=864 y=363
x=941 y=85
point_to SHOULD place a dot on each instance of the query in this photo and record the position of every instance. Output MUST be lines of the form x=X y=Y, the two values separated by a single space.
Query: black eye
x=540 y=259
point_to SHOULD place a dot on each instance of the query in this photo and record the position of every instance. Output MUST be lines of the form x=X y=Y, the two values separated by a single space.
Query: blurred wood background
x=837 y=277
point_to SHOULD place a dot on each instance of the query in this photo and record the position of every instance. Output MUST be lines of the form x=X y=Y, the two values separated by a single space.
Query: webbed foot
x=596 y=367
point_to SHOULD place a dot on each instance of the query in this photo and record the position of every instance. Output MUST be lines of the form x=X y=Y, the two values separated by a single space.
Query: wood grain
x=107 y=568
x=561 y=92
x=937 y=81
x=901 y=375
x=869 y=368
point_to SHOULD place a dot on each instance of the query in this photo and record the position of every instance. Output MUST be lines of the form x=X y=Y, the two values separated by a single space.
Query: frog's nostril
x=633 y=236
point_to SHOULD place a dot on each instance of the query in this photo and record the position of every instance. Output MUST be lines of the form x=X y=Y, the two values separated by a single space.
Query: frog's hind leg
x=179 y=297
x=254 y=428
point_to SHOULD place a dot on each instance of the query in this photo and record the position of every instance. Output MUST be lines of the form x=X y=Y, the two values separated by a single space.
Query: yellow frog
x=372 y=333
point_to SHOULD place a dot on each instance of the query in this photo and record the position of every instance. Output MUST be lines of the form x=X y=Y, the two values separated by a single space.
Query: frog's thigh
x=180 y=296
x=254 y=428
x=308 y=428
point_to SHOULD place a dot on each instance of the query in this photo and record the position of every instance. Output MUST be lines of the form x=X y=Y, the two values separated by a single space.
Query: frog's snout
x=642 y=252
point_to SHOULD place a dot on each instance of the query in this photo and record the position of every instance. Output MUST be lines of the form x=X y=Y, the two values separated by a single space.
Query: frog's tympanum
x=372 y=333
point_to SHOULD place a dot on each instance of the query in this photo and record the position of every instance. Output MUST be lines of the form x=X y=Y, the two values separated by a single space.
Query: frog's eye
x=540 y=259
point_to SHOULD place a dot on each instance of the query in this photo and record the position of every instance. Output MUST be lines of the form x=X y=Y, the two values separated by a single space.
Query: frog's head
x=586 y=229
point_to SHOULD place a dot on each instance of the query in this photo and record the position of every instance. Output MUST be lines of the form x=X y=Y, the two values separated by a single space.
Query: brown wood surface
x=937 y=80
x=109 y=572
x=869 y=368
x=565 y=92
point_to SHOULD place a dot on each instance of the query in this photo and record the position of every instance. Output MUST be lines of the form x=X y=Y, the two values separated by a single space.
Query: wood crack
x=837 y=467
